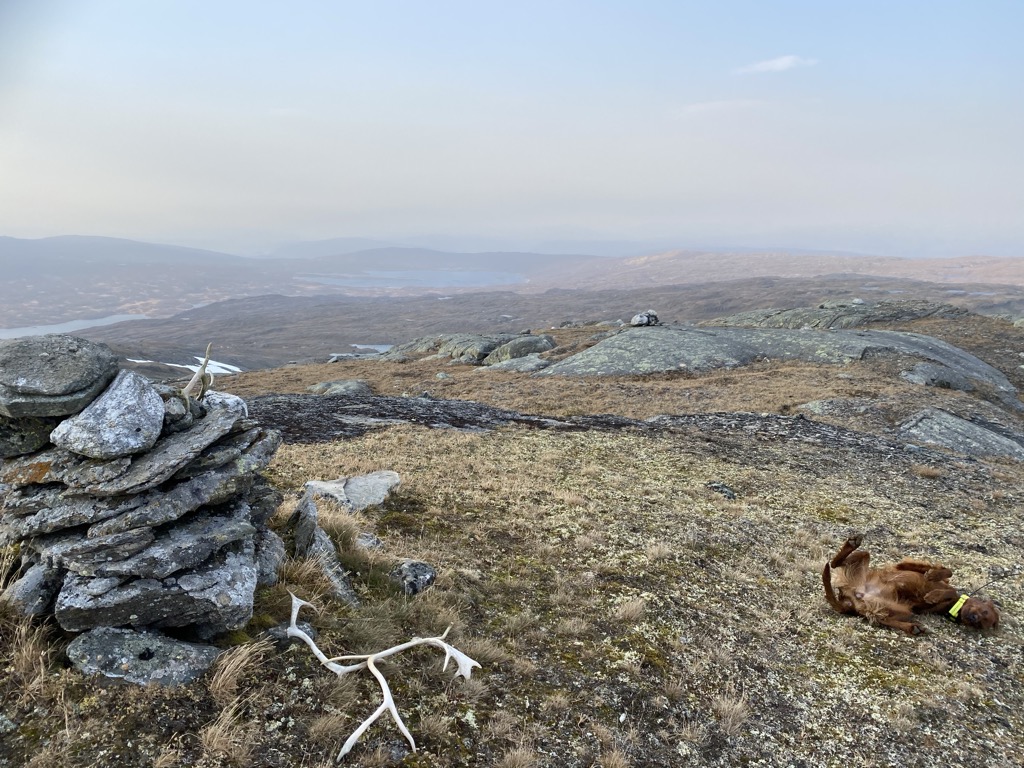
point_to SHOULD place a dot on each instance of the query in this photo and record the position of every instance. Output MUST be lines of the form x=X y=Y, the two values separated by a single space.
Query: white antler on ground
x=200 y=381
x=464 y=663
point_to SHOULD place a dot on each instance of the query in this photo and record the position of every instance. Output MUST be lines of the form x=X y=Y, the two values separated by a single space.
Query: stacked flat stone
x=131 y=504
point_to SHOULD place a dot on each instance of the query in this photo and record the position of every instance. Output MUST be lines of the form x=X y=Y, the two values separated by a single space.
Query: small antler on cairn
x=464 y=663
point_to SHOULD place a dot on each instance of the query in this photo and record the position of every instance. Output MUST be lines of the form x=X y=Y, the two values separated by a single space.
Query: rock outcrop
x=840 y=314
x=664 y=348
x=144 y=509
x=934 y=426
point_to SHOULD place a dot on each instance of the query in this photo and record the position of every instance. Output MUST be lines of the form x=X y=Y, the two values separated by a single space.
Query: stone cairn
x=132 y=504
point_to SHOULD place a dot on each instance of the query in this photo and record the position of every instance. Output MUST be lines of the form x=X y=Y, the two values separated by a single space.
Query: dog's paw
x=918 y=630
x=854 y=541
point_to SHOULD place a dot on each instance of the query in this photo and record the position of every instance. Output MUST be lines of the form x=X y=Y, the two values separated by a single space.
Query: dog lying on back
x=892 y=595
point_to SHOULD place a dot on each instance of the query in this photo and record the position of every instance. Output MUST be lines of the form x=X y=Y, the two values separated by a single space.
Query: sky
x=894 y=128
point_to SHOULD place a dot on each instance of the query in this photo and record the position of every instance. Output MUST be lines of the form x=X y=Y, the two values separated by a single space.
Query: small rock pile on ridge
x=132 y=504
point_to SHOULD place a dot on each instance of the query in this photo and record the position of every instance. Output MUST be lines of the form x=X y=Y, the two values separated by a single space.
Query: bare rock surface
x=52 y=375
x=140 y=657
x=126 y=419
x=674 y=348
x=938 y=427
x=841 y=314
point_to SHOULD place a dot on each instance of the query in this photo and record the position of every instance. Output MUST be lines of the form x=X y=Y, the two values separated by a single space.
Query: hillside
x=639 y=591
x=269 y=331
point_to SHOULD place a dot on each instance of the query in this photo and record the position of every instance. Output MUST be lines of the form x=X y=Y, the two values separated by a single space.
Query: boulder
x=140 y=657
x=126 y=419
x=520 y=346
x=413 y=576
x=33 y=594
x=650 y=317
x=52 y=375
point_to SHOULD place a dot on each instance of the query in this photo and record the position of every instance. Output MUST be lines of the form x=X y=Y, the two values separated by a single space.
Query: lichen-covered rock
x=215 y=597
x=126 y=419
x=939 y=427
x=463 y=347
x=34 y=592
x=24 y=435
x=528 y=364
x=214 y=487
x=413 y=576
x=140 y=657
x=52 y=375
x=168 y=455
x=270 y=553
x=520 y=346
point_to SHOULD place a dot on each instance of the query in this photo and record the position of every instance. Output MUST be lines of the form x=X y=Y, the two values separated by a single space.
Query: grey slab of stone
x=182 y=546
x=56 y=465
x=25 y=435
x=216 y=597
x=169 y=455
x=52 y=375
x=209 y=488
x=225 y=401
x=413 y=576
x=124 y=420
x=359 y=387
x=312 y=541
x=34 y=592
x=270 y=553
x=369 y=490
x=520 y=347
x=938 y=427
x=264 y=500
x=68 y=512
x=356 y=493
x=85 y=556
x=140 y=657
x=220 y=453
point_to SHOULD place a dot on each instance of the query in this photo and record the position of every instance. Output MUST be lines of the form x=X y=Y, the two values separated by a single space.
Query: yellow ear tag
x=955 y=610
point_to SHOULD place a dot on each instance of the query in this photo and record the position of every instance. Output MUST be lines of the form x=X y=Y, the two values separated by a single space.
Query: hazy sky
x=887 y=127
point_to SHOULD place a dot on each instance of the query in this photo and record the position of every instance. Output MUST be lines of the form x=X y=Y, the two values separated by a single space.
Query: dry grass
x=231 y=666
x=227 y=737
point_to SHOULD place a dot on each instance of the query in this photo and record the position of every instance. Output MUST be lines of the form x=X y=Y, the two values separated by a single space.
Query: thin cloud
x=781 y=64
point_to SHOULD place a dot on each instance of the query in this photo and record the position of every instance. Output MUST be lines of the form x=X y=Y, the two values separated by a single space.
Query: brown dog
x=892 y=595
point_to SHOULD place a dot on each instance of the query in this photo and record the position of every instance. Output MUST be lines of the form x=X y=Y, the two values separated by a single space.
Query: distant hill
x=696 y=266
